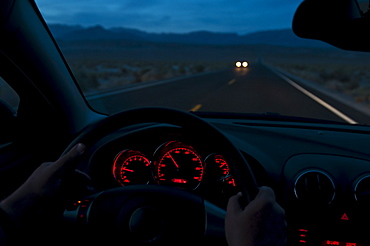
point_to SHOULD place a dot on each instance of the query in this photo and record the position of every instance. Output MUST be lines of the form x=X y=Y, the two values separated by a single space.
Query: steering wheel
x=153 y=214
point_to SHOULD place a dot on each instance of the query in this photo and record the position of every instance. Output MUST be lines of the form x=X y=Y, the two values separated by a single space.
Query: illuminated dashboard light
x=344 y=217
x=179 y=181
x=232 y=182
x=302 y=235
x=328 y=242
x=339 y=243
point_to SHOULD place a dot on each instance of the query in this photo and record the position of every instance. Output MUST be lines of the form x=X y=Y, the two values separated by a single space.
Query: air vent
x=314 y=188
x=362 y=190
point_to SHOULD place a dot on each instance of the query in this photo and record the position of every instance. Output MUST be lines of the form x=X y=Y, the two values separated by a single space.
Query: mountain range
x=282 y=37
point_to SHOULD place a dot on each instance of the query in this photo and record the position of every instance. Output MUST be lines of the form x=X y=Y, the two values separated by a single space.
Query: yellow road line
x=196 y=107
x=231 y=82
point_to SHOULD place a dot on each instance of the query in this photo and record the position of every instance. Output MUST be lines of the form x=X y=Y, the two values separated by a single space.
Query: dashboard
x=320 y=177
x=328 y=202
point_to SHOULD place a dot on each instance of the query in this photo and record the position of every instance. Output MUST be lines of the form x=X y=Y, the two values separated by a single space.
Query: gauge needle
x=225 y=177
x=127 y=170
x=173 y=160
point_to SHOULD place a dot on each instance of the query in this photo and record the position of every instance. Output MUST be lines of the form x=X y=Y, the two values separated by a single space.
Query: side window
x=8 y=95
x=9 y=101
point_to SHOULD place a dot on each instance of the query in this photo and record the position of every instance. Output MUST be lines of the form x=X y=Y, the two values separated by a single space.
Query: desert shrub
x=199 y=68
x=94 y=75
x=349 y=80
x=87 y=78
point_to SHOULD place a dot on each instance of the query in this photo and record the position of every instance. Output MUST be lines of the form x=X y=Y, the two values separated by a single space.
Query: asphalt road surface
x=256 y=89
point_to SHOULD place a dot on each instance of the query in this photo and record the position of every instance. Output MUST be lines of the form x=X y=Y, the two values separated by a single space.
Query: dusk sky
x=180 y=16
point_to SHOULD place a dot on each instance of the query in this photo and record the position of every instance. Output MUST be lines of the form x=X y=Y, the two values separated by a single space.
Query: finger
x=265 y=197
x=233 y=206
x=266 y=194
x=69 y=159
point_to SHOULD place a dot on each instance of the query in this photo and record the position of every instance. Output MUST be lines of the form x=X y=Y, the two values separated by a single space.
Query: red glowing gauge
x=180 y=166
x=230 y=181
x=131 y=167
x=217 y=167
x=218 y=170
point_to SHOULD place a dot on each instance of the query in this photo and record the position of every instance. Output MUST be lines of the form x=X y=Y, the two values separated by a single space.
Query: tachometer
x=179 y=165
x=131 y=167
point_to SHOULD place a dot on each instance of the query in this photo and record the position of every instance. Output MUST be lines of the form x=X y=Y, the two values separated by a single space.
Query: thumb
x=233 y=206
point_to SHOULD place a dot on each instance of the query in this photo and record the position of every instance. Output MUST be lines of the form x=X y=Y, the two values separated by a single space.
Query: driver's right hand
x=260 y=223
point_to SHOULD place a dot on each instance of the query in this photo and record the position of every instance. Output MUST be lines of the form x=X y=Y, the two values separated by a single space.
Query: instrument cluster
x=173 y=164
x=176 y=164
x=151 y=154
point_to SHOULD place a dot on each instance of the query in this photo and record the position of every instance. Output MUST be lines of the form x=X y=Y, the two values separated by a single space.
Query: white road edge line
x=318 y=100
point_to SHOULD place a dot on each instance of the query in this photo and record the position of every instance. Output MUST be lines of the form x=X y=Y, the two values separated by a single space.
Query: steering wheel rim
x=238 y=165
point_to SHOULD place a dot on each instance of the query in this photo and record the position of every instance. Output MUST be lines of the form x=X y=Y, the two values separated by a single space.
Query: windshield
x=206 y=56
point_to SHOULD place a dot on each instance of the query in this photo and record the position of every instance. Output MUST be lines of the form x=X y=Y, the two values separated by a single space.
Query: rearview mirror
x=342 y=23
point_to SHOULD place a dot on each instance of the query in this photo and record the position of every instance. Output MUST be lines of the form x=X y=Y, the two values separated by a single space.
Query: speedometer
x=179 y=165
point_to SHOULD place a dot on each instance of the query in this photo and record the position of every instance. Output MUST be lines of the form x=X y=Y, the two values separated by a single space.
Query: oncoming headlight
x=241 y=64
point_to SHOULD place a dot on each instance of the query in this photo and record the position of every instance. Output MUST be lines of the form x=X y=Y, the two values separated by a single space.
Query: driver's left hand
x=41 y=197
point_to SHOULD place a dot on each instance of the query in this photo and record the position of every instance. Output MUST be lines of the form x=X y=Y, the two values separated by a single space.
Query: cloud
x=173 y=16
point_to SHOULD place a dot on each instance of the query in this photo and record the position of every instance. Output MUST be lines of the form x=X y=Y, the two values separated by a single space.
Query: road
x=256 y=89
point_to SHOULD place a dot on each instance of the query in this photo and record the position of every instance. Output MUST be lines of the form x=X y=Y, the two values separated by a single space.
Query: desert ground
x=105 y=65
x=101 y=66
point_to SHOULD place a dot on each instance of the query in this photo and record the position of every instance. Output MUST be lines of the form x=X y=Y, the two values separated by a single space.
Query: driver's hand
x=40 y=197
x=260 y=223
